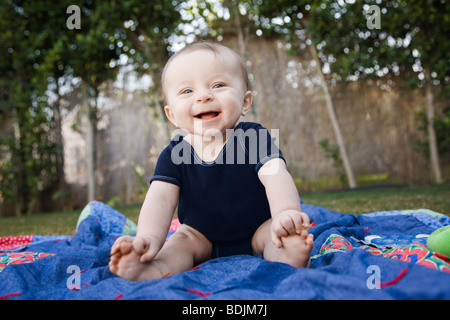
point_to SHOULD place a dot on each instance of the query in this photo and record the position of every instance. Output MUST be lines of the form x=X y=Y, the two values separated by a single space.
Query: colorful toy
x=439 y=241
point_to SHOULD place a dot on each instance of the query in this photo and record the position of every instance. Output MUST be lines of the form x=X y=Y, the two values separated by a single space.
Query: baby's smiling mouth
x=207 y=115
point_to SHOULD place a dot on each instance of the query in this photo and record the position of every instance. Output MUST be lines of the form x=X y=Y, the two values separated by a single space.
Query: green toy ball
x=439 y=241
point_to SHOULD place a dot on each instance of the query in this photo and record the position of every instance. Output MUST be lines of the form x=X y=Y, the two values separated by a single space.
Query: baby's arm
x=154 y=220
x=282 y=194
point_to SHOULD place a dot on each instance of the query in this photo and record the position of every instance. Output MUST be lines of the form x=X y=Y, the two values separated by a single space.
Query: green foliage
x=37 y=50
x=332 y=152
x=412 y=35
x=139 y=172
x=26 y=149
x=114 y=201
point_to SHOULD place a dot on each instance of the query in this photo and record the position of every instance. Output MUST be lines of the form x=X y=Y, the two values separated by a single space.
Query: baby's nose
x=204 y=96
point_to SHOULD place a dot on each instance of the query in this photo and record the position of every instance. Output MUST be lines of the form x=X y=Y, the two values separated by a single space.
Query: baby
x=227 y=177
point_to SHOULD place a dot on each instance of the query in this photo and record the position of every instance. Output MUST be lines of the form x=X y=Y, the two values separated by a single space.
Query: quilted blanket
x=380 y=255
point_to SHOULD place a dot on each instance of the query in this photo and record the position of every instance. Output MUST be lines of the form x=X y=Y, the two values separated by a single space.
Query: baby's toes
x=310 y=241
x=125 y=247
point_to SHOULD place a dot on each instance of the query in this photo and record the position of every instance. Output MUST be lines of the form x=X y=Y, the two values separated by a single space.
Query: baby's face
x=205 y=92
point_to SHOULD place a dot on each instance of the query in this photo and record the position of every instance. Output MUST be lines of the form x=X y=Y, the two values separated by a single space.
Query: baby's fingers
x=141 y=245
x=305 y=220
x=144 y=247
x=276 y=240
x=119 y=245
x=278 y=231
x=297 y=223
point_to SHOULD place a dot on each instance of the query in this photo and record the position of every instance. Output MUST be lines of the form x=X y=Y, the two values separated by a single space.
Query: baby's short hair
x=216 y=48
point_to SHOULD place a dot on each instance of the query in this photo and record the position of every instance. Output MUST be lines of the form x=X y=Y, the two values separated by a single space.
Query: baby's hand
x=146 y=246
x=287 y=223
x=122 y=246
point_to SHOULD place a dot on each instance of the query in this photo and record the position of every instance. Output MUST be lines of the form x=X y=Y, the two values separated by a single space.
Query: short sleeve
x=259 y=144
x=267 y=147
x=165 y=169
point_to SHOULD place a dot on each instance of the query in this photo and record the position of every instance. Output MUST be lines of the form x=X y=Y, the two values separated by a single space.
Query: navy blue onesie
x=223 y=199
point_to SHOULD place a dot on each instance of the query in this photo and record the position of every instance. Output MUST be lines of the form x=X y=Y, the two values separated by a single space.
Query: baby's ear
x=247 y=103
x=169 y=115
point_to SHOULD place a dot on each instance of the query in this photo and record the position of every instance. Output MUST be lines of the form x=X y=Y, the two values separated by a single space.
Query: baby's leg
x=296 y=249
x=186 y=248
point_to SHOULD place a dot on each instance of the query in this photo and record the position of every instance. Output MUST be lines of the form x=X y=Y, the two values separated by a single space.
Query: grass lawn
x=436 y=198
x=52 y=223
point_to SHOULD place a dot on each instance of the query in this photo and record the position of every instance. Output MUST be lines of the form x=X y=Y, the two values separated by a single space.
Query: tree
x=38 y=51
x=111 y=31
x=411 y=42
x=27 y=149
x=300 y=20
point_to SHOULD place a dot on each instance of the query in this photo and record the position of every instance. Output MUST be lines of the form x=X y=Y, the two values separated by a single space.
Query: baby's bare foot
x=130 y=267
x=126 y=263
x=122 y=247
x=296 y=250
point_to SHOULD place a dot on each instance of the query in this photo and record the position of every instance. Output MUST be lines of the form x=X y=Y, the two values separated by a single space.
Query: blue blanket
x=379 y=255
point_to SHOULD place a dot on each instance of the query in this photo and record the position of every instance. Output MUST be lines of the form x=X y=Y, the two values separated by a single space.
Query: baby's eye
x=186 y=91
x=217 y=86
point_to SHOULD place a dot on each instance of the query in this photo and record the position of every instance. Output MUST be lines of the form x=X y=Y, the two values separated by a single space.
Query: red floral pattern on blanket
x=12 y=242
x=415 y=252
x=7 y=258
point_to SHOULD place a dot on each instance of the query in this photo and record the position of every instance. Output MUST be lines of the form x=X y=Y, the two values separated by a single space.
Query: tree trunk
x=90 y=137
x=19 y=167
x=432 y=142
x=57 y=131
x=240 y=33
x=334 y=122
